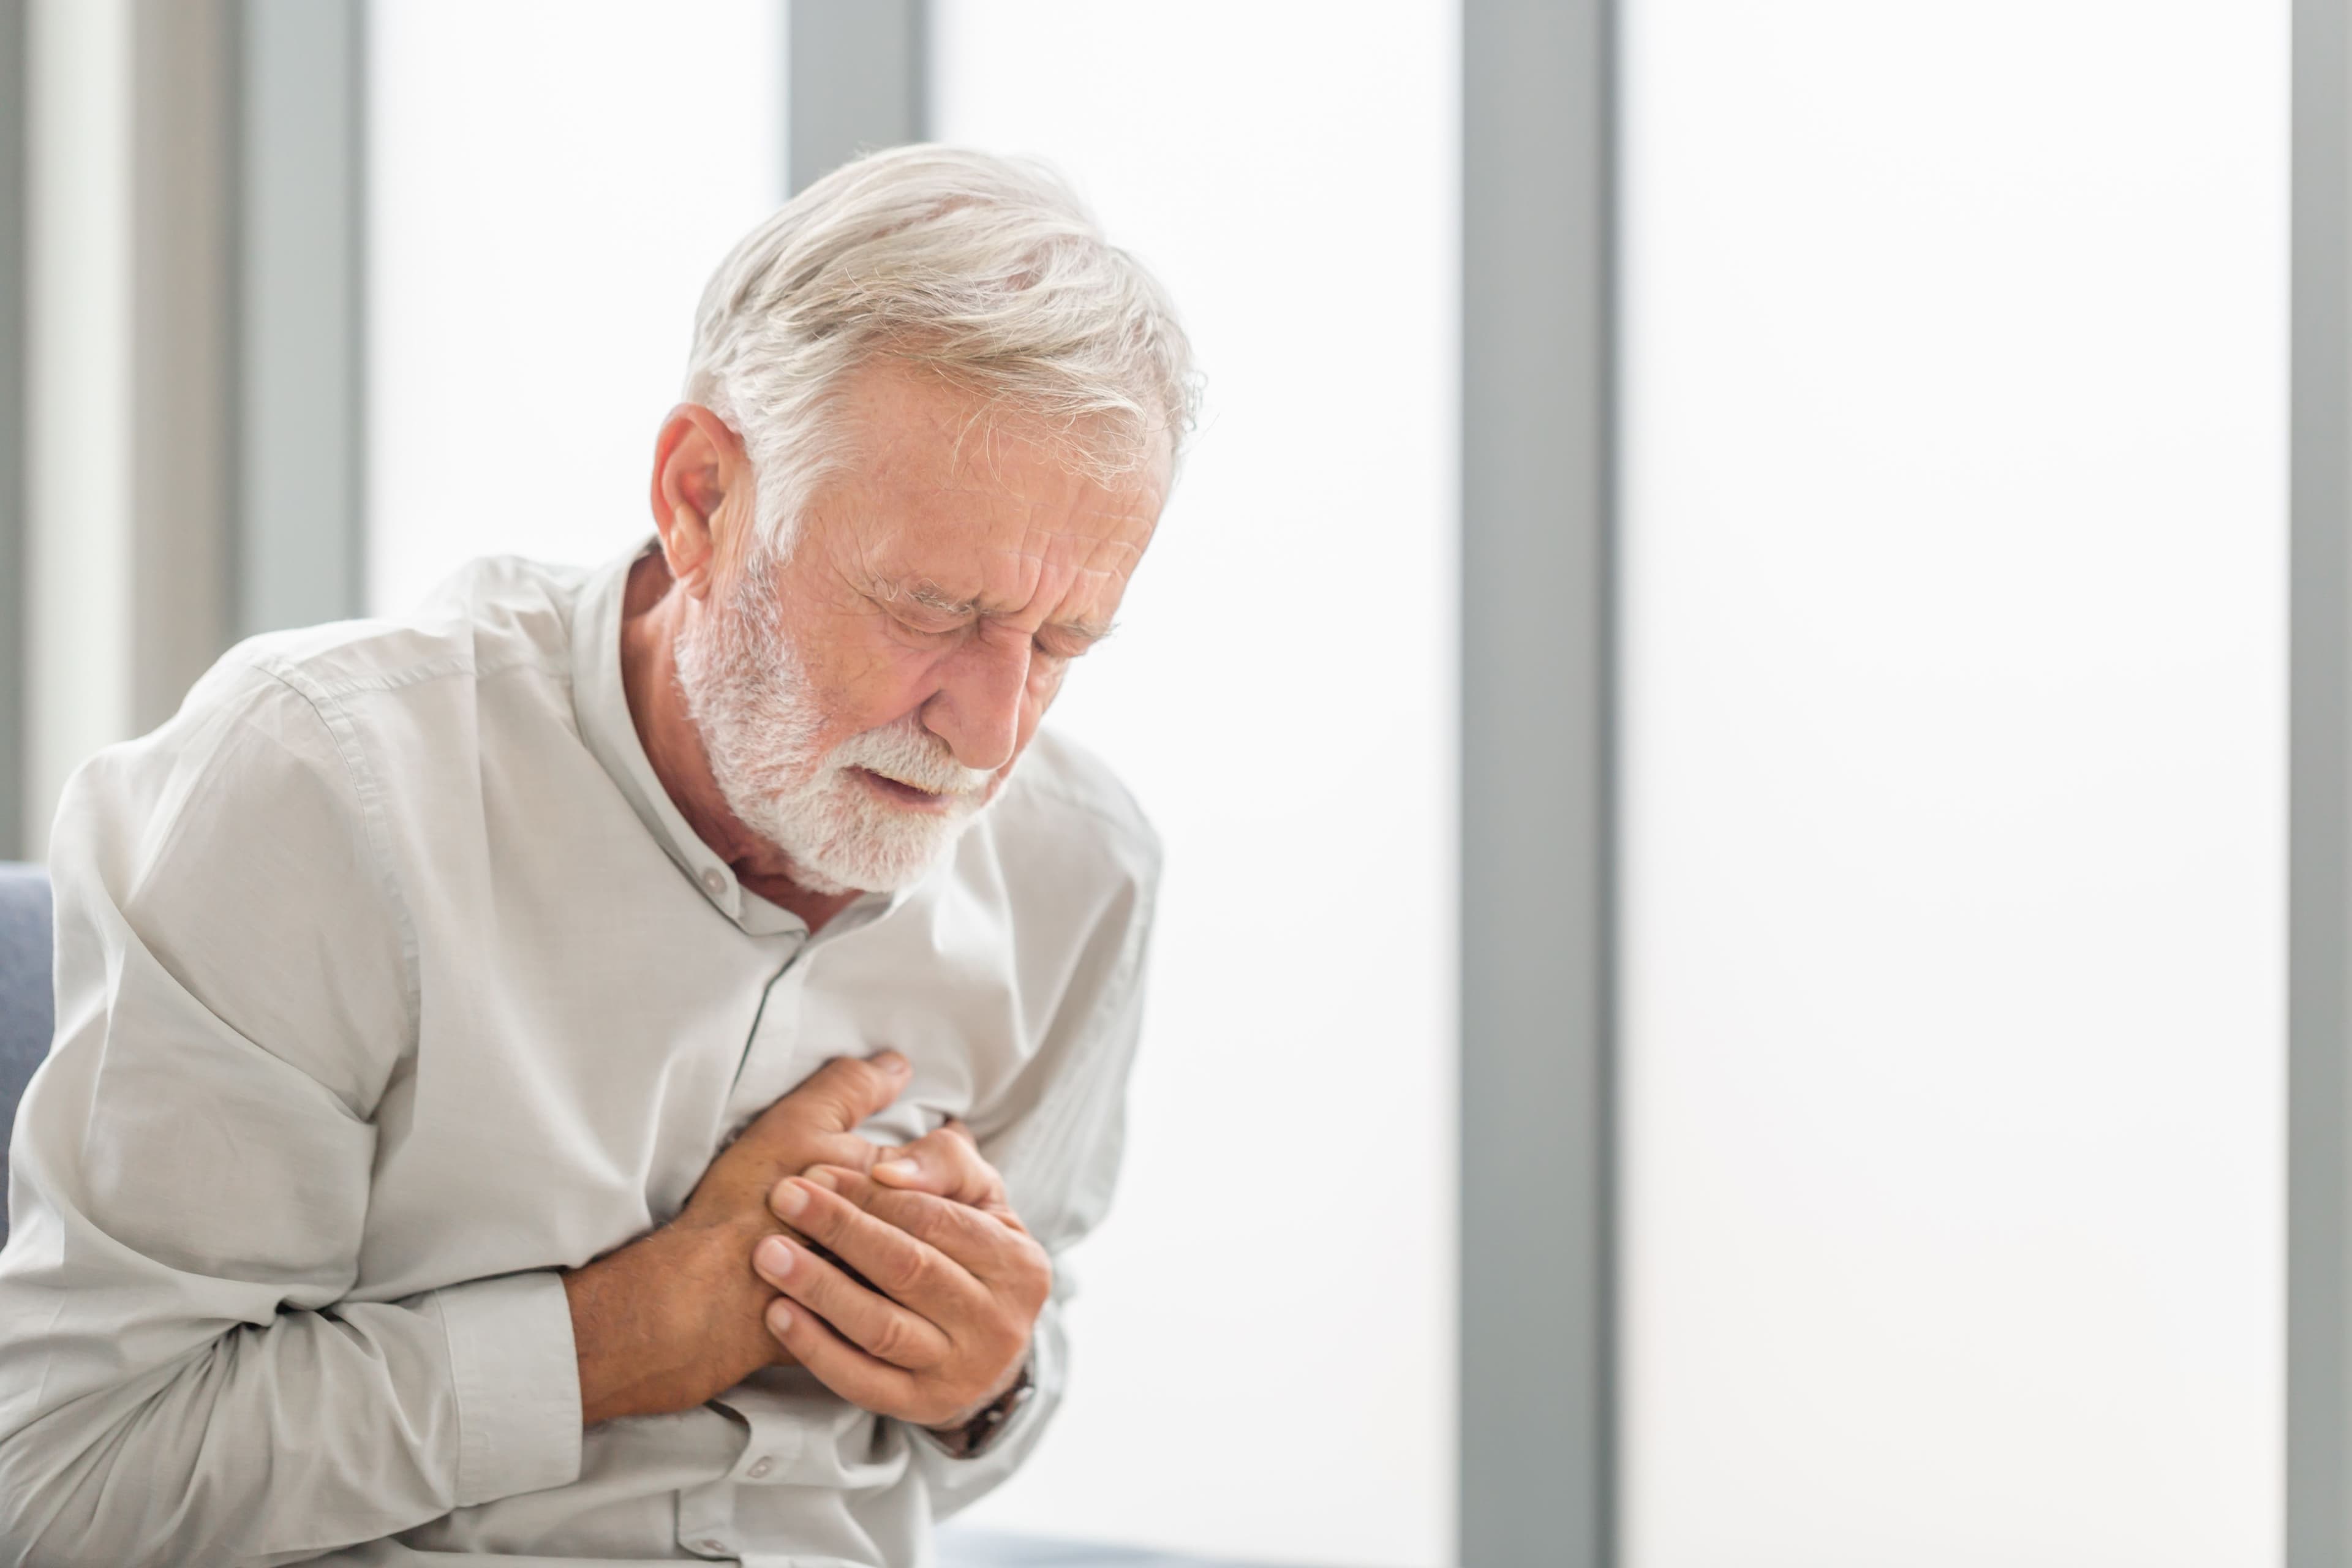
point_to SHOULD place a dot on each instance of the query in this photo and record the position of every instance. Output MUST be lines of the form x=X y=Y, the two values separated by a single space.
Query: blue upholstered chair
x=28 y=1014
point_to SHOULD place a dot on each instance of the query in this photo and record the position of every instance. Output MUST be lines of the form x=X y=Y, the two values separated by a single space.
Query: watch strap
x=980 y=1433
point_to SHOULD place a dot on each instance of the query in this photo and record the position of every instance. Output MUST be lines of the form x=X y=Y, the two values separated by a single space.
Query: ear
x=699 y=468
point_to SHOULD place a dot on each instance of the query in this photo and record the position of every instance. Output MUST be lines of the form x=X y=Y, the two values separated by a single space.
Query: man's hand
x=945 y=1163
x=952 y=1291
x=673 y=1317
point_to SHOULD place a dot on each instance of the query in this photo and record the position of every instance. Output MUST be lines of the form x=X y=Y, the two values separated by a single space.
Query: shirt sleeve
x=1057 y=1142
x=184 y=1374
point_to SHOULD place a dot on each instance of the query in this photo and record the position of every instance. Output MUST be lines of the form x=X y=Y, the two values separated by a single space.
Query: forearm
x=318 y=1430
x=668 y=1320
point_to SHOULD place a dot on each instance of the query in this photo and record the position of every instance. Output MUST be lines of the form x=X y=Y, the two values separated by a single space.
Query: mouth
x=898 y=791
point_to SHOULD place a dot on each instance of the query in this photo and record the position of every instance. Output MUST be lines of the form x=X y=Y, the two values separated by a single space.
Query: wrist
x=609 y=1338
x=640 y=1323
x=976 y=1430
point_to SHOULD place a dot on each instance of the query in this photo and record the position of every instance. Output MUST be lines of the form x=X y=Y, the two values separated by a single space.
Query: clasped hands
x=900 y=1279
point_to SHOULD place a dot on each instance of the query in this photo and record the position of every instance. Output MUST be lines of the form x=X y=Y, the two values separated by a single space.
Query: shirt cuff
x=517 y=1378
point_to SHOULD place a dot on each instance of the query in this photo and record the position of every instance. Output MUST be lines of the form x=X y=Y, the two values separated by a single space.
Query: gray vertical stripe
x=300 y=556
x=183 y=381
x=859 y=81
x=1537 y=1474
x=14 y=762
x=2319 y=880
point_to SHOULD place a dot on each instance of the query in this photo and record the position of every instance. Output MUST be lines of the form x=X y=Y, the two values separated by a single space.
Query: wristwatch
x=980 y=1433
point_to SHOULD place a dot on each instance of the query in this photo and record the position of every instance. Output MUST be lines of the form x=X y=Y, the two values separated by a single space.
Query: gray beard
x=749 y=695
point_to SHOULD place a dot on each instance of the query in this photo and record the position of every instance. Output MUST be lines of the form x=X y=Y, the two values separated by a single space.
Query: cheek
x=1043 y=686
x=1045 y=681
x=866 y=687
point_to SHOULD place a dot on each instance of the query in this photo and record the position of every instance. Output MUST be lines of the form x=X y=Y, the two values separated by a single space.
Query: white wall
x=550 y=183
x=1263 y=1340
x=1955 y=569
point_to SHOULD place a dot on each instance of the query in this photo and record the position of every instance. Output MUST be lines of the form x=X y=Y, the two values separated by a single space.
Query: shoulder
x=236 y=850
x=495 y=614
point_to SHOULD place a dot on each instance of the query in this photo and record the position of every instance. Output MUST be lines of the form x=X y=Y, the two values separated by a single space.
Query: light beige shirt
x=390 y=982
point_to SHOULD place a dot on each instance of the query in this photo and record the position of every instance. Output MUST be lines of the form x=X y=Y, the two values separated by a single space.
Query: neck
x=652 y=611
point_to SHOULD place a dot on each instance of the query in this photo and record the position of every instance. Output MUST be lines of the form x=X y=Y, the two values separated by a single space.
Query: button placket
x=706 y=1518
x=774 y=1444
x=766 y=1071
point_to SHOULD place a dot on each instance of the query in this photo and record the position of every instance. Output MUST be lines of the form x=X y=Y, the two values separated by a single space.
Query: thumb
x=945 y=1163
x=842 y=1093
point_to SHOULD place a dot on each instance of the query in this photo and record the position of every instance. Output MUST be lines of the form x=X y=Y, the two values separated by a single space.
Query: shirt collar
x=602 y=706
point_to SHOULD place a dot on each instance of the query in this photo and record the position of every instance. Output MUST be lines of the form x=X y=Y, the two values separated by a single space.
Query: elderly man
x=419 y=1172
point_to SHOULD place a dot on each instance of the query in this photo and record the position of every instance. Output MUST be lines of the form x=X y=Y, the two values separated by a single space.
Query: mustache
x=904 y=751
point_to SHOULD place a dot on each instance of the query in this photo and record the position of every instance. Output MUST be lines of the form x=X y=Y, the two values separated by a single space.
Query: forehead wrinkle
x=1066 y=585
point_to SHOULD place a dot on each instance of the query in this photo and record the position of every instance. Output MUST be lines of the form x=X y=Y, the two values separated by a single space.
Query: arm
x=181 y=1377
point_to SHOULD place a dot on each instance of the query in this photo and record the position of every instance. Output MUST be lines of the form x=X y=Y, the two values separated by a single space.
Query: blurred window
x=1954 y=483
x=550 y=183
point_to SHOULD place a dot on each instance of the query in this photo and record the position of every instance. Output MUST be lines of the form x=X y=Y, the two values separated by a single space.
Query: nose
x=977 y=708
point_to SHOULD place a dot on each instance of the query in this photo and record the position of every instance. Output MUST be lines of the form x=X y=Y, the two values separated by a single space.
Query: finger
x=868 y=1384
x=874 y=1324
x=992 y=1247
x=946 y=1162
x=839 y=1095
x=908 y=1271
x=835 y=1098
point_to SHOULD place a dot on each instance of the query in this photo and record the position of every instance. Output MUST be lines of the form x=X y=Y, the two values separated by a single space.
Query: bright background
x=1264 y=1338
x=550 y=183
x=1954 y=467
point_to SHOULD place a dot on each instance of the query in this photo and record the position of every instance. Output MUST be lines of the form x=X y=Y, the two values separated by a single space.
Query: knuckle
x=905 y=1272
x=824 y=1218
x=923 y=1220
x=888 y=1339
x=1032 y=1271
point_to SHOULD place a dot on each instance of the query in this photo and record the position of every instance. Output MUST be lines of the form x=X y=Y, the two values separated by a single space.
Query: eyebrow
x=930 y=596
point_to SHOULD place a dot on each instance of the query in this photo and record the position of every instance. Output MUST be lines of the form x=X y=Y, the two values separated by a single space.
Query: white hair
x=985 y=271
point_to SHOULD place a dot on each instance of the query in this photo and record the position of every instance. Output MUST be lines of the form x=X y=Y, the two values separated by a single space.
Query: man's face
x=862 y=702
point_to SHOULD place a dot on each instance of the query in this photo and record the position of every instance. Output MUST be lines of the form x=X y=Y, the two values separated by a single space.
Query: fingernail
x=890 y=1062
x=773 y=1258
x=898 y=1170
x=788 y=1200
x=820 y=1177
x=780 y=1318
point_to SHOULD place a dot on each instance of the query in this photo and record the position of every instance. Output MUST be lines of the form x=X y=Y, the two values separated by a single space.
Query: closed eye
x=920 y=631
x=1061 y=646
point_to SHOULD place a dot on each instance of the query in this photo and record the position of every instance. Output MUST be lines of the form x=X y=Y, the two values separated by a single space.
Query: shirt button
x=714 y=882
x=761 y=1468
